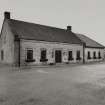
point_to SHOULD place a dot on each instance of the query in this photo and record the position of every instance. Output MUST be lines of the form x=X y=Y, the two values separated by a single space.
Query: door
x=58 y=56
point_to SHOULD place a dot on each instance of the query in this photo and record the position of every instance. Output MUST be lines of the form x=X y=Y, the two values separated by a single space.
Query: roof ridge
x=38 y=24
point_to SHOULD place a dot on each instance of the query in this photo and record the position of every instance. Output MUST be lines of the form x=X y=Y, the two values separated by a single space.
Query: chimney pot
x=7 y=15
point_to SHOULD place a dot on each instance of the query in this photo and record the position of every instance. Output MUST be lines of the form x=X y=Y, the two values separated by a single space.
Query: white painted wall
x=50 y=46
x=10 y=51
x=7 y=44
x=91 y=50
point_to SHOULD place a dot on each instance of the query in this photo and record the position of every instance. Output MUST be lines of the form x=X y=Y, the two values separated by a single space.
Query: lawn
x=66 y=85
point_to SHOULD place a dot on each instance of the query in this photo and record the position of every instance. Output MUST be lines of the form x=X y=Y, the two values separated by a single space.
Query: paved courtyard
x=65 y=85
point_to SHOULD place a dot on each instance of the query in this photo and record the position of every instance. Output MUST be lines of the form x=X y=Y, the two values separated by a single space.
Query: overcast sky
x=85 y=16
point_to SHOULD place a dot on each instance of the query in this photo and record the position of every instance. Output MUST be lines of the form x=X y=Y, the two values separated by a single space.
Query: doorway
x=58 y=56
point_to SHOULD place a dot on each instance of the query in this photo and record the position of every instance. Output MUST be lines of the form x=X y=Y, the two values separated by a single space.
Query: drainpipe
x=19 y=53
x=84 y=53
x=17 y=39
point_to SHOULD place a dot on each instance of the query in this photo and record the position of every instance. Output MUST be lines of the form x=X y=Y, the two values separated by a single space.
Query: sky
x=85 y=16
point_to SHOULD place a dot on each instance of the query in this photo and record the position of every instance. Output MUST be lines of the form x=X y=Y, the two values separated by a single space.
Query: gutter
x=95 y=47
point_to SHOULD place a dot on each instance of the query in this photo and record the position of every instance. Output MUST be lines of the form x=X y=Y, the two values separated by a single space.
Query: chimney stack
x=7 y=15
x=69 y=28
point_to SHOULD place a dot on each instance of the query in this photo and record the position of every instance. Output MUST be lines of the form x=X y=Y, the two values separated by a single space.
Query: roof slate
x=39 y=32
x=32 y=31
x=89 y=42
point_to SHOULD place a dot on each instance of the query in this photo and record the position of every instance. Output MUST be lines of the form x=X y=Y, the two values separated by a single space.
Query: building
x=24 y=43
x=93 y=51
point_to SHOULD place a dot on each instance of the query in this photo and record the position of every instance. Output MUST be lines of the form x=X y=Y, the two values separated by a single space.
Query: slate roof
x=39 y=32
x=89 y=42
x=32 y=31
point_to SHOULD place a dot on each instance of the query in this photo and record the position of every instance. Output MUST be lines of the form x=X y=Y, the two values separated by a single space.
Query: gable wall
x=7 y=44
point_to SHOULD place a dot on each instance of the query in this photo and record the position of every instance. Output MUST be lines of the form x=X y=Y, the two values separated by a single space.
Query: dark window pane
x=78 y=55
x=99 y=55
x=88 y=57
x=29 y=54
x=94 y=55
x=43 y=56
x=2 y=55
x=70 y=55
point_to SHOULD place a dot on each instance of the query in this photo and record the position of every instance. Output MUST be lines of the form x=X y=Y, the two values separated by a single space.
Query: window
x=88 y=57
x=78 y=55
x=29 y=56
x=94 y=55
x=43 y=55
x=2 y=55
x=70 y=55
x=99 y=55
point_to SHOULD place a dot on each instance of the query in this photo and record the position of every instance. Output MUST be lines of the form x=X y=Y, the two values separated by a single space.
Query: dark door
x=58 y=56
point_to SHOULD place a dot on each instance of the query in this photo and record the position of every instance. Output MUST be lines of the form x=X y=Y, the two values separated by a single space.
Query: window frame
x=88 y=55
x=99 y=55
x=94 y=55
x=29 y=59
x=78 y=55
x=43 y=57
x=70 y=55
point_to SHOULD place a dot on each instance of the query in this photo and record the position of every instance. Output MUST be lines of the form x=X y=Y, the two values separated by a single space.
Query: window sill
x=89 y=58
x=71 y=59
x=99 y=57
x=67 y=62
x=30 y=60
x=51 y=63
x=78 y=58
x=43 y=60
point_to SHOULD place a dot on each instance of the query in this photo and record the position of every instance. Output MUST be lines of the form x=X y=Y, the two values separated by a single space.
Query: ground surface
x=66 y=85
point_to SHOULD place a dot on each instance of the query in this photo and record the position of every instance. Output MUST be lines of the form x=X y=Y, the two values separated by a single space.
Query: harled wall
x=91 y=50
x=49 y=46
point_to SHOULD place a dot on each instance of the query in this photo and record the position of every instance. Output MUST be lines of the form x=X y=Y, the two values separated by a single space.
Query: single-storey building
x=24 y=43
x=93 y=51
